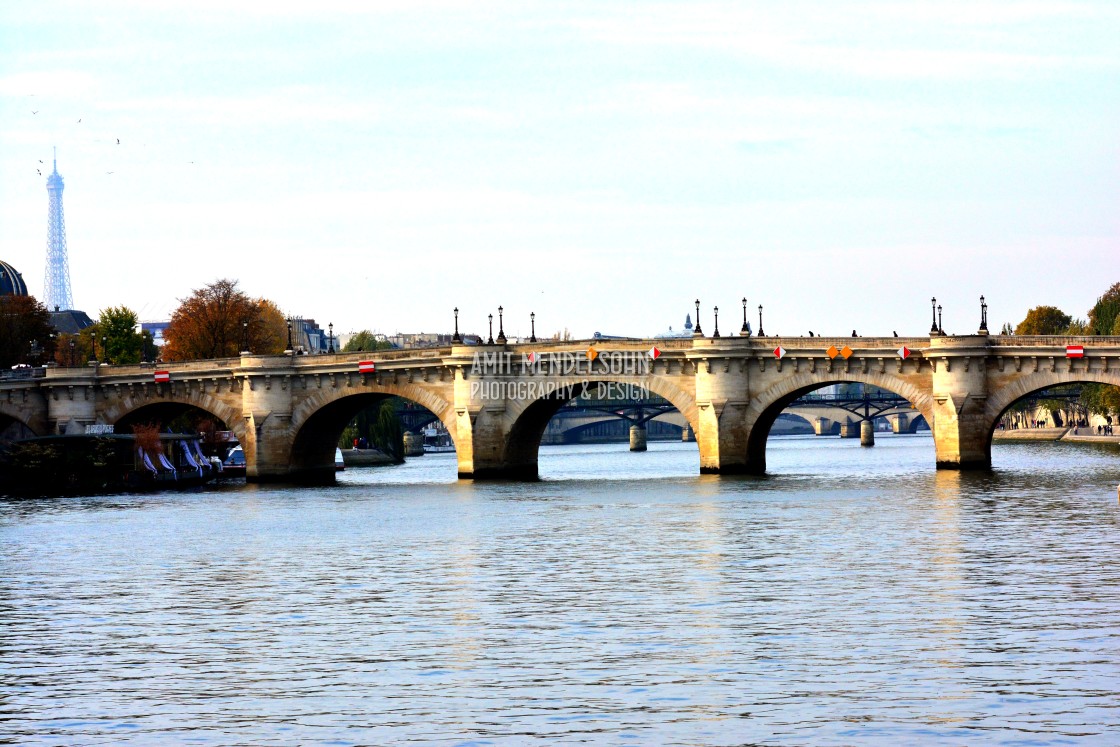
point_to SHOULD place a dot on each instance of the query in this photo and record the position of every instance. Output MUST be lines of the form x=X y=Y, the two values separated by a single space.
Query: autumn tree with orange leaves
x=219 y=321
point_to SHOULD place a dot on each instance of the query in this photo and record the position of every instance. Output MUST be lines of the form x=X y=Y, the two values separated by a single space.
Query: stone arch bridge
x=496 y=400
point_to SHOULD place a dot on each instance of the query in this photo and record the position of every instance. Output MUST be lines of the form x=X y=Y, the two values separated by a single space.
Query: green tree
x=1104 y=314
x=1044 y=320
x=122 y=343
x=365 y=341
x=26 y=334
x=1101 y=399
x=1078 y=327
x=380 y=426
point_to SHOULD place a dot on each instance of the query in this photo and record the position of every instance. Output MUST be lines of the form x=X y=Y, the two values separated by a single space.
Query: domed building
x=11 y=282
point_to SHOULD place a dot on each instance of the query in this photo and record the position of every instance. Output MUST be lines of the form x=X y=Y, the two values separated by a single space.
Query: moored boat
x=103 y=463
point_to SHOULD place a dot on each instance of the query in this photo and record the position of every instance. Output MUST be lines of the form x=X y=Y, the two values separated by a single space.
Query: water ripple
x=852 y=597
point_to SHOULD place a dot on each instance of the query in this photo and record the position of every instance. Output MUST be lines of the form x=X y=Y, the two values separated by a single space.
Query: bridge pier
x=413 y=444
x=866 y=433
x=900 y=423
x=850 y=429
x=687 y=434
x=637 y=438
x=961 y=430
x=822 y=426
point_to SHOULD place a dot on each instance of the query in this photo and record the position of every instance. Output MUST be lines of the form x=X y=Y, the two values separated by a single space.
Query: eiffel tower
x=57 y=285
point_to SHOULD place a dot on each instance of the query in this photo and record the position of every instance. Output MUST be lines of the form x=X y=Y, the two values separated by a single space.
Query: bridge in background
x=496 y=400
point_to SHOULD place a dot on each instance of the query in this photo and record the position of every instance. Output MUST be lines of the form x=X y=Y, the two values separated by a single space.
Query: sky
x=602 y=164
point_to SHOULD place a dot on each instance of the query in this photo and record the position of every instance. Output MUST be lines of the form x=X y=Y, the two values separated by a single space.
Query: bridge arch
x=770 y=403
x=15 y=425
x=169 y=404
x=527 y=420
x=1023 y=387
x=318 y=421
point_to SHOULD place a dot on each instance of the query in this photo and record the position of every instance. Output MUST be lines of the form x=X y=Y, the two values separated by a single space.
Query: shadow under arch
x=317 y=424
x=13 y=428
x=772 y=402
x=522 y=443
x=163 y=410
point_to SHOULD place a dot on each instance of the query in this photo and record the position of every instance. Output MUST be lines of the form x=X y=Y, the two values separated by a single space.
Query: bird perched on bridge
x=810 y=333
x=896 y=334
x=854 y=333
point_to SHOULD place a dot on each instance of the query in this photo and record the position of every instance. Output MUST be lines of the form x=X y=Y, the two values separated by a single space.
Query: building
x=11 y=282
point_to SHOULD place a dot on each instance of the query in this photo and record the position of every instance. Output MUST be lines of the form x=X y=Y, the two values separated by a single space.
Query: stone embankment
x=1030 y=434
x=1084 y=434
x=365 y=457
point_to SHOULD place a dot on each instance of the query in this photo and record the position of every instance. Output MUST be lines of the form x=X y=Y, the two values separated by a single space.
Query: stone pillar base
x=637 y=438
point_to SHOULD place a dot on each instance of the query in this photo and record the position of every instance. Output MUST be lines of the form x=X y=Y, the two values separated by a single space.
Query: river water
x=853 y=596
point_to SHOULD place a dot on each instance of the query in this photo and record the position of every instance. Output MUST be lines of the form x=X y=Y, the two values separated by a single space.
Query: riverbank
x=1081 y=435
x=1089 y=435
x=1030 y=434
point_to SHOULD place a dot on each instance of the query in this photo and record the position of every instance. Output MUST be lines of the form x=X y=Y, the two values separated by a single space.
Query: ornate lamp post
x=501 y=328
x=330 y=338
x=93 y=350
x=244 y=337
x=983 y=315
x=289 y=350
x=71 y=352
x=760 y=332
x=933 y=310
x=746 y=330
x=940 y=329
x=104 y=347
x=532 y=326
x=696 y=331
x=715 y=310
x=455 y=337
x=490 y=340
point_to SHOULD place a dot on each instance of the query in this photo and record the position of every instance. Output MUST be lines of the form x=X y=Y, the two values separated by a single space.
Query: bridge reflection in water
x=496 y=401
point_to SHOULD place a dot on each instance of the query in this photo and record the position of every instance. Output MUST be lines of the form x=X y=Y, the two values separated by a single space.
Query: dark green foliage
x=26 y=334
x=120 y=342
x=365 y=341
x=380 y=426
x=1103 y=317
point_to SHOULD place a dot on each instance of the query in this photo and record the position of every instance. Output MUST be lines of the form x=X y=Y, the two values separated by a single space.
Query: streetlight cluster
x=744 y=331
x=457 y=338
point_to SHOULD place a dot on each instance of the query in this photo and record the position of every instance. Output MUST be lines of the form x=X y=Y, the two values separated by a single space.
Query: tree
x=272 y=328
x=123 y=344
x=365 y=341
x=1044 y=320
x=219 y=320
x=1101 y=399
x=1104 y=314
x=26 y=334
x=1078 y=327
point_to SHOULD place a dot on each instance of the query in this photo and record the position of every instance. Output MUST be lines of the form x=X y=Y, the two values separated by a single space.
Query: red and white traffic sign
x=654 y=353
x=1075 y=351
x=366 y=367
x=779 y=352
x=162 y=377
x=903 y=352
